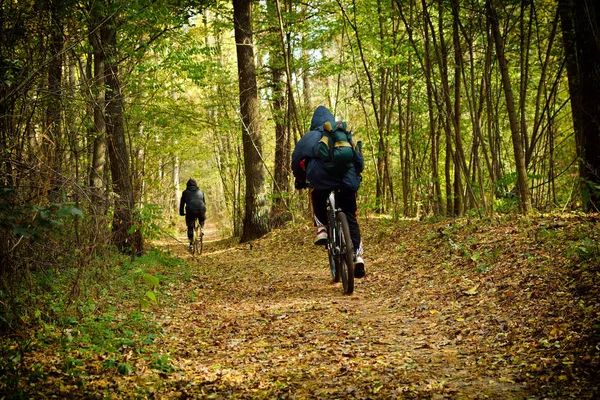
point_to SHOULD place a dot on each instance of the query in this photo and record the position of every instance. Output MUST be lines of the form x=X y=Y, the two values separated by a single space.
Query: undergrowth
x=104 y=309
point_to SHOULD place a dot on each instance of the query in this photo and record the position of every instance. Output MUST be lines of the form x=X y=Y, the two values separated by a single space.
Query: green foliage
x=32 y=221
x=590 y=190
x=162 y=364
x=105 y=318
x=125 y=369
x=586 y=249
x=146 y=220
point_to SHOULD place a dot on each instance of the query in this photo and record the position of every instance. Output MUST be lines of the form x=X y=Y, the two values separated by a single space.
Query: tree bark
x=580 y=24
x=426 y=65
x=256 y=219
x=176 y=188
x=523 y=188
x=53 y=150
x=98 y=161
x=117 y=148
x=281 y=173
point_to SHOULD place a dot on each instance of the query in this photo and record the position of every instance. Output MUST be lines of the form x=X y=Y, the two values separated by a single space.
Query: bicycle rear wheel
x=331 y=233
x=195 y=241
x=346 y=256
x=199 y=241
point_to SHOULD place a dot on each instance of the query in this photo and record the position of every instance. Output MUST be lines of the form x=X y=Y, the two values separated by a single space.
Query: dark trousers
x=346 y=200
x=190 y=220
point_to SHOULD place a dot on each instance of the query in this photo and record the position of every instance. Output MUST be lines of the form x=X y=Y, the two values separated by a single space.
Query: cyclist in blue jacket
x=309 y=171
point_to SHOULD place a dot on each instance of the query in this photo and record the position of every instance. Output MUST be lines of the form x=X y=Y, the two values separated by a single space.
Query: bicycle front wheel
x=335 y=271
x=346 y=256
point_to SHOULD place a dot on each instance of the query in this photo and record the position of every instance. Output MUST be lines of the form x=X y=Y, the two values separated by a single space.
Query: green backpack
x=335 y=148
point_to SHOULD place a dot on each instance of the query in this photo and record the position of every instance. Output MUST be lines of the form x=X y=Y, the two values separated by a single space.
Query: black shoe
x=359 y=267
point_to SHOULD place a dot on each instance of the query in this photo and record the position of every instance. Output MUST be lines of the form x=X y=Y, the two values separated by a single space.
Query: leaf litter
x=504 y=307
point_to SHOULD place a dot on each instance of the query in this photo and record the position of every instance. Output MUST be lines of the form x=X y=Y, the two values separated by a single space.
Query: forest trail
x=211 y=232
x=446 y=311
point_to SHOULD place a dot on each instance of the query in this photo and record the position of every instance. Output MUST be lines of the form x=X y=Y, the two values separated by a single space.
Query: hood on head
x=191 y=183
x=320 y=116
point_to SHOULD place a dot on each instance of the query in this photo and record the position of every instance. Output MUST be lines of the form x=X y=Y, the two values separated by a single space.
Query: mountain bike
x=339 y=246
x=197 y=242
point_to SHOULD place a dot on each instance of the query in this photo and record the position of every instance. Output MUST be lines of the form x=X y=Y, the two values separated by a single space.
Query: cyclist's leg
x=190 y=219
x=318 y=200
x=319 y=205
x=202 y=219
x=346 y=200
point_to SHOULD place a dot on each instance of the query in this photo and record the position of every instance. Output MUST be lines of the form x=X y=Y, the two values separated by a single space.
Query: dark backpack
x=335 y=148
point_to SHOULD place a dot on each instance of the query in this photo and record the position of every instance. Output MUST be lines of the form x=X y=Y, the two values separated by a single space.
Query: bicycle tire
x=346 y=256
x=200 y=242
x=195 y=241
x=335 y=271
x=333 y=268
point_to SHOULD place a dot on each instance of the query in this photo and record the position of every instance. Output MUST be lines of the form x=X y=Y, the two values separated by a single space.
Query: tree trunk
x=99 y=129
x=281 y=174
x=459 y=162
x=256 y=219
x=53 y=150
x=176 y=188
x=426 y=64
x=580 y=24
x=117 y=148
x=523 y=188
x=405 y=160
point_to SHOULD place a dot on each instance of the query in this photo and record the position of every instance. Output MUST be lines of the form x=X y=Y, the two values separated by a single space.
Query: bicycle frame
x=339 y=246
x=333 y=232
x=332 y=250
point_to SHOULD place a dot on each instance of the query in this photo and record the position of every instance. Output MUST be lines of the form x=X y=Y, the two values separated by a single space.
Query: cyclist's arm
x=182 y=205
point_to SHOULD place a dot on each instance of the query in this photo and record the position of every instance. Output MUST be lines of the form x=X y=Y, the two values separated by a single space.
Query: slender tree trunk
x=53 y=148
x=493 y=135
x=538 y=118
x=307 y=87
x=475 y=102
x=426 y=64
x=176 y=187
x=256 y=219
x=406 y=161
x=459 y=163
x=288 y=68
x=444 y=104
x=99 y=128
x=525 y=42
x=523 y=187
x=281 y=174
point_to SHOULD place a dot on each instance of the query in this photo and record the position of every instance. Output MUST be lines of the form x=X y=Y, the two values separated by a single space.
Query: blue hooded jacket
x=316 y=175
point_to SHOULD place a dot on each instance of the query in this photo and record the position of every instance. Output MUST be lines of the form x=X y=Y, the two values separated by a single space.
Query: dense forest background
x=107 y=107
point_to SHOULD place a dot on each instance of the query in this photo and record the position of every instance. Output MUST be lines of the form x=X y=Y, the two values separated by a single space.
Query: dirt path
x=264 y=321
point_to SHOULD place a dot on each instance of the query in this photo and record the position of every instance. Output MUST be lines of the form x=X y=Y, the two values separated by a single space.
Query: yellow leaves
x=269 y=324
x=473 y=291
x=506 y=379
x=377 y=388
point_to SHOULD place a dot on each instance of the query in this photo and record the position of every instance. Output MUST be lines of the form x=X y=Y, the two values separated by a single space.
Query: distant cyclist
x=310 y=171
x=193 y=206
